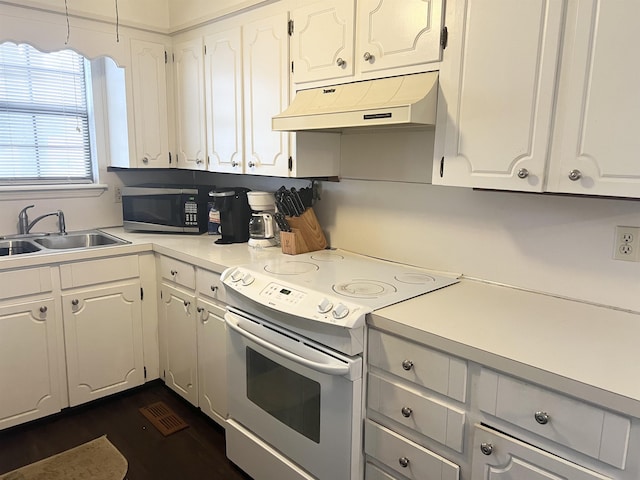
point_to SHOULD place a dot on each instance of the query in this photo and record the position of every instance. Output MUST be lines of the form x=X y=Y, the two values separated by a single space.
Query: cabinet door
x=28 y=362
x=598 y=103
x=498 y=457
x=190 y=105
x=223 y=78
x=497 y=92
x=103 y=338
x=181 y=350
x=148 y=72
x=394 y=34
x=322 y=41
x=266 y=93
x=212 y=360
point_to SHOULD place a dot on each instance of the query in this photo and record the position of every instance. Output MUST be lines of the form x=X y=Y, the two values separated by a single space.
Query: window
x=44 y=117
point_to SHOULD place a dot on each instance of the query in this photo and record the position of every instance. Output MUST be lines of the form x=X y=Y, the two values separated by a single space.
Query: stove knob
x=247 y=279
x=340 y=311
x=325 y=306
x=237 y=276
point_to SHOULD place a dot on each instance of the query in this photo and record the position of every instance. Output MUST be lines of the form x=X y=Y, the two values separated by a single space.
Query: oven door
x=297 y=396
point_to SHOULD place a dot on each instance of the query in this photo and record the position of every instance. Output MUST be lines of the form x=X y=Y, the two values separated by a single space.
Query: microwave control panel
x=191 y=213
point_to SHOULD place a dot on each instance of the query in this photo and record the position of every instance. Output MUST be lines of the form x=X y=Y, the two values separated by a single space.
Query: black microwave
x=158 y=208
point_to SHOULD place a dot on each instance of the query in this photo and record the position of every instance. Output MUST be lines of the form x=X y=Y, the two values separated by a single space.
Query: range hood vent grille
x=406 y=100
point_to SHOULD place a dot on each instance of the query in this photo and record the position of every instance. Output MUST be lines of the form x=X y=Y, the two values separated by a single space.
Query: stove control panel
x=295 y=300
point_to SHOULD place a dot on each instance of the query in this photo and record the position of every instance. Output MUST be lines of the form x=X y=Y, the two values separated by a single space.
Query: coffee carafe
x=262 y=231
x=235 y=213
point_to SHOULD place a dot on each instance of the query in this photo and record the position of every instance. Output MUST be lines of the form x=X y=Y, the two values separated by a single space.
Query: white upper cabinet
x=149 y=89
x=225 y=120
x=191 y=142
x=554 y=110
x=332 y=40
x=497 y=93
x=266 y=93
x=596 y=139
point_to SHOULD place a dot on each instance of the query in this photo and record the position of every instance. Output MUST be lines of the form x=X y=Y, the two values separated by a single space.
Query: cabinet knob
x=523 y=173
x=234 y=164
x=541 y=417
x=174 y=273
x=407 y=365
x=406 y=412
x=198 y=161
x=200 y=309
x=75 y=302
x=145 y=160
x=341 y=62
x=486 y=448
x=187 y=303
x=251 y=164
x=214 y=288
x=404 y=462
x=367 y=57
x=575 y=175
x=43 y=309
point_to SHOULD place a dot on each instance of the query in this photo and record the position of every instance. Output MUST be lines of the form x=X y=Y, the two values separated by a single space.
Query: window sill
x=22 y=192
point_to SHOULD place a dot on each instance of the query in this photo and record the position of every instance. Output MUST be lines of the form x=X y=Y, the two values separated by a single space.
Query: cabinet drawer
x=394 y=450
x=498 y=456
x=583 y=427
x=418 y=364
x=374 y=473
x=91 y=272
x=210 y=285
x=28 y=281
x=425 y=415
x=177 y=272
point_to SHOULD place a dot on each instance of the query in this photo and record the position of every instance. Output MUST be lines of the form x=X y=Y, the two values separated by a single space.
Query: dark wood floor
x=196 y=452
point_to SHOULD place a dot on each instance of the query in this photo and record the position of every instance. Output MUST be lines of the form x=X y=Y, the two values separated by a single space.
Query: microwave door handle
x=336 y=368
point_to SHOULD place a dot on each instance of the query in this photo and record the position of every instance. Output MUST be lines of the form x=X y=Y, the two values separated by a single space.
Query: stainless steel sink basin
x=39 y=243
x=78 y=240
x=17 y=247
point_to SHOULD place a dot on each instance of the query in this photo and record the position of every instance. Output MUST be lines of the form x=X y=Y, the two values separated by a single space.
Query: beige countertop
x=585 y=350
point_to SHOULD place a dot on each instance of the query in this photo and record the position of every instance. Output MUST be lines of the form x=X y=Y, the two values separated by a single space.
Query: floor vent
x=163 y=418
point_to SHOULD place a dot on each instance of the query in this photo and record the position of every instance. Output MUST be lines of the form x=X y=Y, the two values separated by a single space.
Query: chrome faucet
x=25 y=227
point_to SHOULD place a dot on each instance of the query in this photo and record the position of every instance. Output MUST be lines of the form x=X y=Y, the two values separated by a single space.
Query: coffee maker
x=262 y=230
x=234 y=211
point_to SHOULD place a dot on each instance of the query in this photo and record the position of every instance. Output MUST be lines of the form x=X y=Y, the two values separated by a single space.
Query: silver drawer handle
x=404 y=462
x=174 y=273
x=75 y=302
x=523 y=173
x=406 y=412
x=407 y=365
x=575 y=175
x=145 y=160
x=43 y=309
x=367 y=56
x=341 y=62
x=486 y=448
x=214 y=288
x=541 y=417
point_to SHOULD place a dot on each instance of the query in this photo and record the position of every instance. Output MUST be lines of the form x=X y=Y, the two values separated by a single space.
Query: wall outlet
x=627 y=244
x=117 y=193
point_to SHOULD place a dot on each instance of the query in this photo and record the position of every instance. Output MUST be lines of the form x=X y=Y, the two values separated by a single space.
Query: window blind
x=44 y=121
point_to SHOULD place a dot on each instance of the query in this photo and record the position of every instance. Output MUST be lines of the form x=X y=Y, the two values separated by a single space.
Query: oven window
x=286 y=395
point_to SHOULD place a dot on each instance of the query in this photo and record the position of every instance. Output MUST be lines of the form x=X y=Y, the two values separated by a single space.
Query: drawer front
x=209 y=285
x=374 y=473
x=177 y=272
x=418 y=364
x=103 y=270
x=583 y=427
x=498 y=456
x=405 y=457
x=28 y=281
x=425 y=415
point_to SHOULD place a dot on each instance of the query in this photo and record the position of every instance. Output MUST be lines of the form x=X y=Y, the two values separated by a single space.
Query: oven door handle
x=336 y=367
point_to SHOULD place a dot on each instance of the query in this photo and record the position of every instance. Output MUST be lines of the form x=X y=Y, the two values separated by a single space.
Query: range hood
x=406 y=100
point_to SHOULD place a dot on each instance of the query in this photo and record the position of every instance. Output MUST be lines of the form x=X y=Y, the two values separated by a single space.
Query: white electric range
x=296 y=334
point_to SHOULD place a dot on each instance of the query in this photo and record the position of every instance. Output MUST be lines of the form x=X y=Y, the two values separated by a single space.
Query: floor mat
x=163 y=418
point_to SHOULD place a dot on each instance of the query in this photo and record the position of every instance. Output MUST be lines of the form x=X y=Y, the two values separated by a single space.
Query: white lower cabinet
x=102 y=315
x=499 y=457
x=28 y=361
x=192 y=335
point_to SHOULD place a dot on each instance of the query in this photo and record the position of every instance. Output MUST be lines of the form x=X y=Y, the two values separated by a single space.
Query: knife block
x=305 y=235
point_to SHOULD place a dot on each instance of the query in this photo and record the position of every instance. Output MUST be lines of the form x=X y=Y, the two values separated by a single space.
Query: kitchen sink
x=48 y=242
x=78 y=240
x=17 y=247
